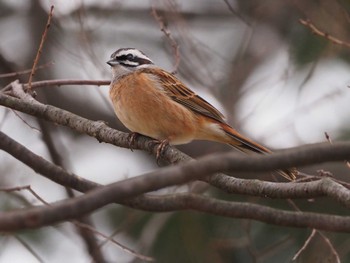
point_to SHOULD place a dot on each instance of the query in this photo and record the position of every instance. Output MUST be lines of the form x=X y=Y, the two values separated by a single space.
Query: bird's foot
x=161 y=148
x=132 y=138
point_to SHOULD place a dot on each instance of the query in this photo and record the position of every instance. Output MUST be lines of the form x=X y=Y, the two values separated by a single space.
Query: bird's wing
x=178 y=92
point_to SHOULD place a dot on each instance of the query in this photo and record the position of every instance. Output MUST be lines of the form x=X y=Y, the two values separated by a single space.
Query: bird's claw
x=160 y=149
x=132 y=138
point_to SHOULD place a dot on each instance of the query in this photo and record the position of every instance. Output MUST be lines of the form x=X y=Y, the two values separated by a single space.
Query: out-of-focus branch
x=317 y=31
x=40 y=165
x=43 y=38
x=23 y=72
x=171 y=40
x=236 y=13
x=85 y=233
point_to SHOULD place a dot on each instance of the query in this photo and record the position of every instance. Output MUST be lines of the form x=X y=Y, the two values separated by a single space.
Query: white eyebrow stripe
x=128 y=62
x=135 y=52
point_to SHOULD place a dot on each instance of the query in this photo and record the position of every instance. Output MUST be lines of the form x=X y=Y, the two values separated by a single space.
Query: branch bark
x=126 y=191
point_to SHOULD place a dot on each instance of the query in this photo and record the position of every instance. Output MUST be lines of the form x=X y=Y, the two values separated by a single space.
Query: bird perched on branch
x=153 y=102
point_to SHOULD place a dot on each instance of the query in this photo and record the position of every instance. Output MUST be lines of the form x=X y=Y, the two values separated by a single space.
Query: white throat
x=119 y=71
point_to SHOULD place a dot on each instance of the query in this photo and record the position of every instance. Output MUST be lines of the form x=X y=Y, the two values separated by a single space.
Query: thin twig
x=25 y=187
x=319 y=32
x=240 y=17
x=170 y=38
x=329 y=243
x=126 y=249
x=38 y=54
x=27 y=71
x=14 y=189
x=25 y=122
x=306 y=243
x=62 y=82
x=309 y=239
x=29 y=248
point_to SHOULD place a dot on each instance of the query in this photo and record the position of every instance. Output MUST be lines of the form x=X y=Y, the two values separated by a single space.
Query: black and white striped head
x=129 y=57
x=127 y=60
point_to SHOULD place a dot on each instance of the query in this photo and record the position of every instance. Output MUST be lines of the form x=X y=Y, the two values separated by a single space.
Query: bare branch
x=254 y=211
x=18 y=73
x=123 y=192
x=170 y=38
x=319 y=32
x=40 y=165
x=303 y=156
x=124 y=248
x=69 y=209
x=332 y=189
x=61 y=82
x=29 y=248
x=86 y=235
x=43 y=38
x=229 y=184
x=98 y=130
x=237 y=14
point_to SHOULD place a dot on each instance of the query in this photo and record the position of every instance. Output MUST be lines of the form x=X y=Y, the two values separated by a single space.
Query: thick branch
x=251 y=211
x=226 y=183
x=64 y=210
x=44 y=167
x=317 y=188
x=96 y=129
x=123 y=192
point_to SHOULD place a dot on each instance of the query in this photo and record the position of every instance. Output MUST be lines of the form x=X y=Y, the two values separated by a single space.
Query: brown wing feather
x=178 y=92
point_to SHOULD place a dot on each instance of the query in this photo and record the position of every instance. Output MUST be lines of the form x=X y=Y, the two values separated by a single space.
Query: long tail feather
x=247 y=146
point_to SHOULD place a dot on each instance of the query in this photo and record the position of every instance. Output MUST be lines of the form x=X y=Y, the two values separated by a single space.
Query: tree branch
x=227 y=183
x=96 y=129
x=73 y=208
x=62 y=82
x=307 y=23
x=128 y=191
x=252 y=211
x=125 y=190
x=43 y=38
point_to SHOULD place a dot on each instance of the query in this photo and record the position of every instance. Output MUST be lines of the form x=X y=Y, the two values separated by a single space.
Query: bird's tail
x=247 y=146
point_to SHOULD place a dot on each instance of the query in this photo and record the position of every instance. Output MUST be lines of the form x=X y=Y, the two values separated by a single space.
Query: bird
x=150 y=101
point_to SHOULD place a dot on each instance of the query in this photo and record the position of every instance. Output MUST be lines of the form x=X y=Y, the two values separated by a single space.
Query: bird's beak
x=112 y=62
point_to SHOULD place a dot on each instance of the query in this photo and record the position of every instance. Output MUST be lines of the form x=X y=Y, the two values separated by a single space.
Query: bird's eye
x=129 y=56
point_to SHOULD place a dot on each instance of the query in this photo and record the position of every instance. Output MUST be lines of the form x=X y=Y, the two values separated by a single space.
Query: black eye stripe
x=130 y=57
x=124 y=57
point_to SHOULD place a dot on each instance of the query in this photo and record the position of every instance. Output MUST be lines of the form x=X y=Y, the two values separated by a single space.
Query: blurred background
x=274 y=80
